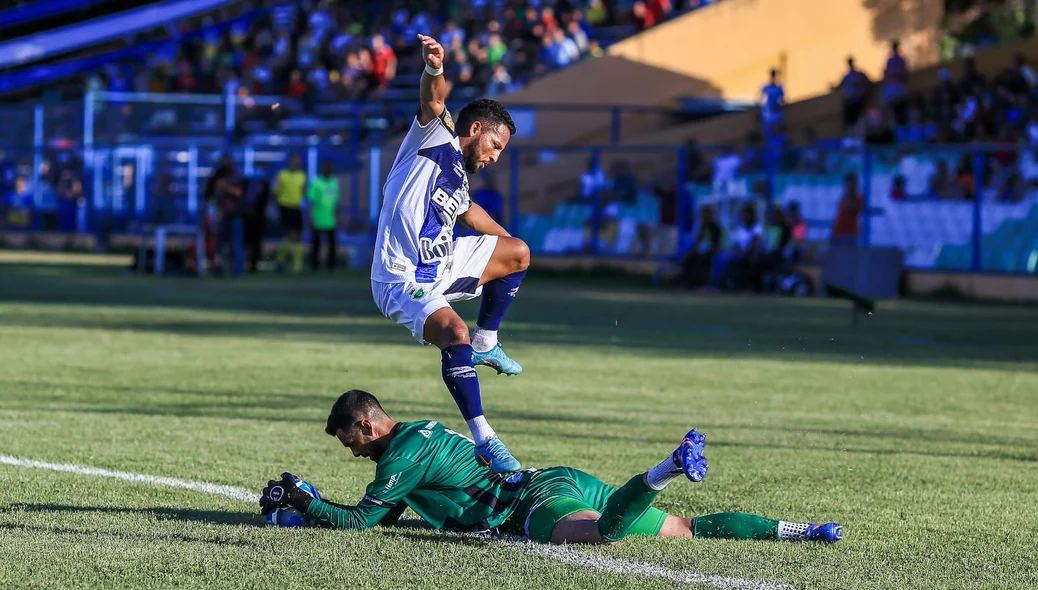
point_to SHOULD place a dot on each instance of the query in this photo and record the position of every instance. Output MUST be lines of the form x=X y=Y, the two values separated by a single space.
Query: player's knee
x=445 y=328
x=523 y=255
x=454 y=333
x=520 y=255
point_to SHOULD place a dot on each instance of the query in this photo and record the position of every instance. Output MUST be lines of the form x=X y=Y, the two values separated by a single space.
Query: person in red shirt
x=643 y=19
x=185 y=76
x=845 y=228
x=658 y=9
x=548 y=20
x=383 y=61
x=1006 y=158
x=796 y=222
x=296 y=85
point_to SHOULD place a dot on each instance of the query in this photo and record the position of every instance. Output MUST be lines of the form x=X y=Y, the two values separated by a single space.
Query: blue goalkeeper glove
x=285 y=492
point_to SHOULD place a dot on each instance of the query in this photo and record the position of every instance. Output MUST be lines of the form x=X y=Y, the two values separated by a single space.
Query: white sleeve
x=466 y=201
x=436 y=132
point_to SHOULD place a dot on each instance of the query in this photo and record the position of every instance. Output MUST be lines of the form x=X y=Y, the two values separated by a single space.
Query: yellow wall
x=733 y=44
x=607 y=81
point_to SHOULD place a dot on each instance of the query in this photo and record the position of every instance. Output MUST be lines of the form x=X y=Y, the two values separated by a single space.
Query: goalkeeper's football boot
x=689 y=456
x=498 y=360
x=828 y=532
x=495 y=455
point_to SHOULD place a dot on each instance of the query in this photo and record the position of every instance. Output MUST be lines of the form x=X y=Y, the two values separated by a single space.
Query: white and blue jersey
x=419 y=267
x=427 y=189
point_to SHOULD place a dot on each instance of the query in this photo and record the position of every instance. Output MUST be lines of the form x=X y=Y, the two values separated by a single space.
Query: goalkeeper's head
x=360 y=424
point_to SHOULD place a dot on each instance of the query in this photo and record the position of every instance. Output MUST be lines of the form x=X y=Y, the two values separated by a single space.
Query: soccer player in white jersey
x=420 y=267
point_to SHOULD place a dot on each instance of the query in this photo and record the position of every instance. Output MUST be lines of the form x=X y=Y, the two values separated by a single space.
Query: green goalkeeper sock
x=735 y=525
x=624 y=508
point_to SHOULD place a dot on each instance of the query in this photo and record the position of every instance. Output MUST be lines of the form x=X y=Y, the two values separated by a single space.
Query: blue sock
x=460 y=378
x=498 y=295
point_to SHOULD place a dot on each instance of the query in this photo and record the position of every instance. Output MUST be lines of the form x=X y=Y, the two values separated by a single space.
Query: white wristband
x=433 y=72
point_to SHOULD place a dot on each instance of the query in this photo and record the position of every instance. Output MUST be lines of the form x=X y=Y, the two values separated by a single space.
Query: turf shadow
x=1022 y=456
x=221 y=517
x=636 y=324
x=95 y=533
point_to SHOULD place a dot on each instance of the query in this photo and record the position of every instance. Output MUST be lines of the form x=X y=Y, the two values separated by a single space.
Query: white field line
x=561 y=554
x=198 y=486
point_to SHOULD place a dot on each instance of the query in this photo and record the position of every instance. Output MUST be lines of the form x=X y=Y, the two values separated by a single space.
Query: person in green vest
x=323 y=198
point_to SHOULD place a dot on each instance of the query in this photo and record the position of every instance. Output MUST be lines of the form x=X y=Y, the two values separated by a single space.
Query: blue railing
x=55 y=42
x=39 y=10
x=60 y=70
x=106 y=118
x=966 y=208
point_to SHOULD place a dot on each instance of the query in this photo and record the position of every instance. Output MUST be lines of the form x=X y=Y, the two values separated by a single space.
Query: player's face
x=361 y=440
x=486 y=147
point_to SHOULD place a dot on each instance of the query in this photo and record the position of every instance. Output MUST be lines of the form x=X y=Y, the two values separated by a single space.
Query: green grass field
x=918 y=430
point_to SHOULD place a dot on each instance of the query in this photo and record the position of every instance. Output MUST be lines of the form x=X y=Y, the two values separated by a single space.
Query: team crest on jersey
x=447 y=121
x=415 y=292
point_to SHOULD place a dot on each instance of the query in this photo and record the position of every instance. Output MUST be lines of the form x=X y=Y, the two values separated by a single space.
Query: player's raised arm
x=434 y=87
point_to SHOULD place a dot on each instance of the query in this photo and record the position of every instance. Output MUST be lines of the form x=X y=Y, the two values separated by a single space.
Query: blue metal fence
x=106 y=166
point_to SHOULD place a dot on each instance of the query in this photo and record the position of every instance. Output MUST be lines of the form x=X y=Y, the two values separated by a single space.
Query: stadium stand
x=343 y=75
x=923 y=227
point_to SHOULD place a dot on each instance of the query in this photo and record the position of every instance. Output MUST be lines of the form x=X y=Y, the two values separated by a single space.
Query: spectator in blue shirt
x=772 y=99
x=855 y=88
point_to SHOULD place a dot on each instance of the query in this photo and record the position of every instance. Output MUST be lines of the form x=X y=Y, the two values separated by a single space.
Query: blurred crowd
x=312 y=51
x=896 y=122
x=338 y=50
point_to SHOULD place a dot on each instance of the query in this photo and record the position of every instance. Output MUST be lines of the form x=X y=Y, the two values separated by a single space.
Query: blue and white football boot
x=494 y=454
x=689 y=456
x=828 y=532
x=498 y=360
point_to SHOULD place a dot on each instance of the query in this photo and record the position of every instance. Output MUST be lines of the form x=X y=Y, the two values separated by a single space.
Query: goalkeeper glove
x=285 y=492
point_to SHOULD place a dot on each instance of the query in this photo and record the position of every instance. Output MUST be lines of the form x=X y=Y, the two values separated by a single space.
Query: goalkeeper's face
x=364 y=439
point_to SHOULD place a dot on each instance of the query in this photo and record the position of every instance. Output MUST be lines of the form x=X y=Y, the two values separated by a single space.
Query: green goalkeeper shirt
x=432 y=470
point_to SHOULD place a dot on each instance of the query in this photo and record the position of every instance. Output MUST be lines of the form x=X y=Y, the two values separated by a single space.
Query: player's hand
x=432 y=52
x=279 y=494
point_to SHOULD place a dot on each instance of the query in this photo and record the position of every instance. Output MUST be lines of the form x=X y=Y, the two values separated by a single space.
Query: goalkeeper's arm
x=361 y=517
x=355 y=518
x=384 y=499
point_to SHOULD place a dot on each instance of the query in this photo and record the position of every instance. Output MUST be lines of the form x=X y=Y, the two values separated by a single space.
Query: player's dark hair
x=351 y=407
x=487 y=111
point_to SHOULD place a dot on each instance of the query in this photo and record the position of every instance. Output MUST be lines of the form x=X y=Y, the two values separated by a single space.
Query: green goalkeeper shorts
x=557 y=492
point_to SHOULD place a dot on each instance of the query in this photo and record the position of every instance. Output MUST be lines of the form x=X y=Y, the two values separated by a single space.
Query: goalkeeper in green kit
x=432 y=470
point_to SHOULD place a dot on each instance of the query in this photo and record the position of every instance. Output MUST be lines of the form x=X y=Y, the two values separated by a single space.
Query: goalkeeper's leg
x=748 y=527
x=627 y=511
